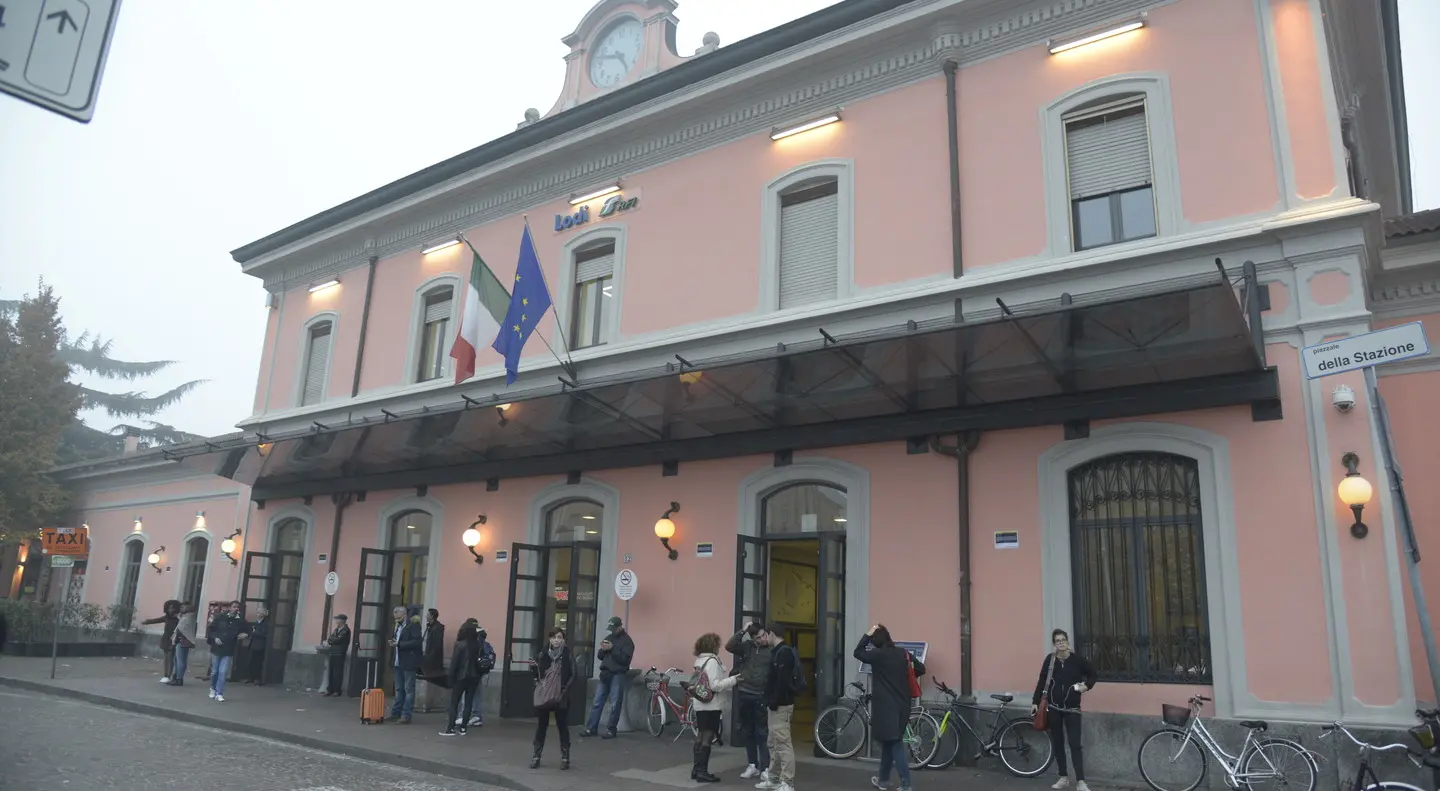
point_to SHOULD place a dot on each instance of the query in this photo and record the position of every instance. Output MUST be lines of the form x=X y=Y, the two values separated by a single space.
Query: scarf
x=556 y=653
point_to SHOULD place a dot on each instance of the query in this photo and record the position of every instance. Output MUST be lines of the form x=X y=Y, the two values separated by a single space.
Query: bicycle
x=1364 y=771
x=1007 y=738
x=662 y=707
x=920 y=732
x=1186 y=739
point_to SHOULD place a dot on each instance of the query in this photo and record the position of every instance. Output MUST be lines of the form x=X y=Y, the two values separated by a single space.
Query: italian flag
x=486 y=302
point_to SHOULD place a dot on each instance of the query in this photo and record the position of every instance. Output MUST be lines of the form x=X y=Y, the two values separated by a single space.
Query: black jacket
x=407 y=648
x=464 y=661
x=616 y=661
x=890 y=706
x=432 y=661
x=223 y=632
x=1075 y=669
x=752 y=663
x=782 y=668
x=339 y=641
x=167 y=638
x=260 y=634
x=567 y=672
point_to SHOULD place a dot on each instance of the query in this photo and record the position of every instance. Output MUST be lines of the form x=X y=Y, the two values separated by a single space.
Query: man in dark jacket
x=615 y=654
x=432 y=661
x=752 y=661
x=223 y=633
x=780 y=689
x=258 y=643
x=407 y=642
x=339 y=645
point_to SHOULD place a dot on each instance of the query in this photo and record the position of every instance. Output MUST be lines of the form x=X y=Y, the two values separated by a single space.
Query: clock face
x=615 y=53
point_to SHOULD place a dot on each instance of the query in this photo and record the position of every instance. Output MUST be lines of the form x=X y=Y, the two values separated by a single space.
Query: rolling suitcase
x=372 y=700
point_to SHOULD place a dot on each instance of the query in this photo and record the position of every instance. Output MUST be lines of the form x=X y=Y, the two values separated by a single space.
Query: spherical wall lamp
x=471 y=538
x=1355 y=492
x=154 y=559
x=665 y=529
x=227 y=547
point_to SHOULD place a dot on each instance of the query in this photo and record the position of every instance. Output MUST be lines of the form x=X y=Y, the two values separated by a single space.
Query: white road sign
x=332 y=583
x=52 y=52
x=1362 y=351
x=626 y=583
x=62 y=561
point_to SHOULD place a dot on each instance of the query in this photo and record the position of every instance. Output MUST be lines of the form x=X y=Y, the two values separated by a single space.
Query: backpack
x=797 y=672
x=486 y=663
x=700 y=688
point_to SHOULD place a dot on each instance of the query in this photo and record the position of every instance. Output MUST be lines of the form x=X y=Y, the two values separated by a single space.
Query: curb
x=391 y=759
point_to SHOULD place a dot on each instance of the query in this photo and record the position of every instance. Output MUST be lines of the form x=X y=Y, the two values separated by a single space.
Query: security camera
x=1343 y=398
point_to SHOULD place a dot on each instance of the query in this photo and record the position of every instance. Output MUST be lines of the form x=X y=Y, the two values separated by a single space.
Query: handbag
x=183 y=641
x=915 y=691
x=700 y=688
x=1042 y=711
x=548 y=692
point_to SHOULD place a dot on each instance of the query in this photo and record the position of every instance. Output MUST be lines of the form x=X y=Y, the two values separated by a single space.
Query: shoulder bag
x=1043 y=710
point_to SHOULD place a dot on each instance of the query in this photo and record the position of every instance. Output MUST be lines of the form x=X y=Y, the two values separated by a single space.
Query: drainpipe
x=364 y=325
x=341 y=501
x=952 y=102
x=965 y=445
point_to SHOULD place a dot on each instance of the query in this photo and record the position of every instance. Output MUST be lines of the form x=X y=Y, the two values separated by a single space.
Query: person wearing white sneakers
x=1064 y=676
x=223 y=633
x=787 y=677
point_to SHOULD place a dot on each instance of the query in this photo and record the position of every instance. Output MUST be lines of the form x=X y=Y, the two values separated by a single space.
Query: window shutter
x=594 y=268
x=316 y=363
x=437 y=308
x=809 y=251
x=1108 y=152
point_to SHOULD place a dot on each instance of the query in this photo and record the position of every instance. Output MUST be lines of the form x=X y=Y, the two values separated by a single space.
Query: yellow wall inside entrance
x=793 y=602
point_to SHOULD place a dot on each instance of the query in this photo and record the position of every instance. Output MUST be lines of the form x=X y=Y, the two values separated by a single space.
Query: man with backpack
x=752 y=663
x=786 y=679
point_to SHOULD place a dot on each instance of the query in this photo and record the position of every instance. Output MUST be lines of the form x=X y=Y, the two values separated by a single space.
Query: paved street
x=50 y=744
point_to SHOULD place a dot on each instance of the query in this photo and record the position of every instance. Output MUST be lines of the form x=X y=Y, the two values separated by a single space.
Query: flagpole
x=565 y=343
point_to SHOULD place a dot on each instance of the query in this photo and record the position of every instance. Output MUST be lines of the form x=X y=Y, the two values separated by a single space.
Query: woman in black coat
x=890 y=704
x=464 y=676
x=556 y=653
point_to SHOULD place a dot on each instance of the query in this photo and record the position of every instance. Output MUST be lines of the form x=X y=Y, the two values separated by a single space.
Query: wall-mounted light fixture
x=199 y=520
x=264 y=449
x=331 y=283
x=782 y=132
x=139 y=525
x=471 y=537
x=1355 y=492
x=227 y=548
x=154 y=559
x=1108 y=30
x=500 y=413
x=665 y=529
x=438 y=246
x=576 y=200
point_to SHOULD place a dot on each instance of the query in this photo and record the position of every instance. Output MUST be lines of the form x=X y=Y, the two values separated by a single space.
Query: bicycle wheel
x=922 y=736
x=1278 y=763
x=1024 y=751
x=947 y=743
x=656 y=717
x=1392 y=786
x=841 y=730
x=1172 y=761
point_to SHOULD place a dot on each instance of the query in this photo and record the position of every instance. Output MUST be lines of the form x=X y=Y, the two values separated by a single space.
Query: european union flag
x=529 y=300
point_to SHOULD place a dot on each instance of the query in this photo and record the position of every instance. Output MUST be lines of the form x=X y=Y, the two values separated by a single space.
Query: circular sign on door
x=332 y=583
x=626 y=583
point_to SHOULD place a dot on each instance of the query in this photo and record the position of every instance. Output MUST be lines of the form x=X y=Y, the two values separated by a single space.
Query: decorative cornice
x=1413 y=298
x=587 y=155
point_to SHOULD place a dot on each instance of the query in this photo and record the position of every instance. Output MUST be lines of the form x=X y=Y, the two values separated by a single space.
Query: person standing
x=555 y=668
x=1064 y=676
x=784 y=680
x=432 y=661
x=223 y=633
x=752 y=658
x=258 y=643
x=185 y=636
x=890 y=671
x=170 y=617
x=464 y=677
x=339 y=645
x=475 y=700
x=616 y=652
x=406 y=643
x=711 y=673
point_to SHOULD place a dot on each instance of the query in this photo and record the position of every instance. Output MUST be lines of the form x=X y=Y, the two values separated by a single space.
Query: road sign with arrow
x=52 y=52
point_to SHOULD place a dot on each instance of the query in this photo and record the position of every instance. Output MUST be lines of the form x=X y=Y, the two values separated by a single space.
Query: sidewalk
x=497 y=754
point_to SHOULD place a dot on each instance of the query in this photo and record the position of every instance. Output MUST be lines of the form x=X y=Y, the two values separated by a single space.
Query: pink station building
x=948 y=314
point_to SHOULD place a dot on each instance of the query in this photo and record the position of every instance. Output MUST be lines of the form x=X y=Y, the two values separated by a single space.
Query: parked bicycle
x=663 y=709
x=842 y=729
x=1178 y=751
x=1024 y=751
x=1365 y=778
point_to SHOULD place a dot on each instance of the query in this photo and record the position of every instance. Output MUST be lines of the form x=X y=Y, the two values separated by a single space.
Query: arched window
x=192 y=584
x=132 y=556
x=433 y=352
x=410 y=539
x=290 y=536
x=572 y=530
x=805 y=507
x=807 y=237
x=1138 y=568
x=575 y=520
x=318 y=339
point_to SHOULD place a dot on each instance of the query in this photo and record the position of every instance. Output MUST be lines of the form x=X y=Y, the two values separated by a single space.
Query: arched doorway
x=192 y=581
x=131 y=557
x=410 y=541
x=273 y=580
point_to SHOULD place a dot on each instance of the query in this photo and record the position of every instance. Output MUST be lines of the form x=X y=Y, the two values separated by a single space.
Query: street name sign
x=52 y=52
x=1389 y=345
x=69 y=541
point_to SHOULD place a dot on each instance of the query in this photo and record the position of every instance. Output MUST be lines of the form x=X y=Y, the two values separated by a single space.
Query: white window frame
x=298 y=388
x=144 y=540
x=565 y=289
x=417 y=325
x=842 y=170
x=306 y=516
x=435 y=549
x=199 y=532
x=1154 y=89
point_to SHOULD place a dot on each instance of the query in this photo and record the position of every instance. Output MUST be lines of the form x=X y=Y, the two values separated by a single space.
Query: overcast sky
x=221 y=122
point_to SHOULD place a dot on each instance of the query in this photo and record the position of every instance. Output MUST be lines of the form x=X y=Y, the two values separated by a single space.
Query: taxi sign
x=72 y=541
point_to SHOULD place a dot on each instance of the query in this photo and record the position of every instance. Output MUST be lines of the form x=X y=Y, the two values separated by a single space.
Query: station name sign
x=615 y=204
x=1362 y=351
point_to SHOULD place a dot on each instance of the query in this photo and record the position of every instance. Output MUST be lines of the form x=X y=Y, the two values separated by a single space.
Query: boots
x=564 y=757
x=701 y=772
x=535 y=760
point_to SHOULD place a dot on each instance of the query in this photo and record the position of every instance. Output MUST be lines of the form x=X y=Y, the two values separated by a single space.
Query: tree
x=37 y=403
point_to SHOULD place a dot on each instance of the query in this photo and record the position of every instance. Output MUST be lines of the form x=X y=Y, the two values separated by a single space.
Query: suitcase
x=372 y=700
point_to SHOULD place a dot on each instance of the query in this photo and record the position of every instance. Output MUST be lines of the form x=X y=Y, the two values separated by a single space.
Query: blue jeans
x=219 y=670
x=895 y=754
x=404 y=705
x=754 y=720
x=610 y=687
x=182 y=659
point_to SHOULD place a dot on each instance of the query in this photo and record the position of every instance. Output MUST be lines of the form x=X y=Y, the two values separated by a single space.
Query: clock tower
x=616 y=44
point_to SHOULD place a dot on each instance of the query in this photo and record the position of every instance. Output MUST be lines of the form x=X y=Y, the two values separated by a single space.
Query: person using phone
x=616 y=652
x=1064 y=676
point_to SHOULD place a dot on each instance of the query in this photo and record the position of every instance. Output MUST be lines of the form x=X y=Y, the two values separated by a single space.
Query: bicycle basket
x=1179 y=716
x=1424 y=735
x=653 y=684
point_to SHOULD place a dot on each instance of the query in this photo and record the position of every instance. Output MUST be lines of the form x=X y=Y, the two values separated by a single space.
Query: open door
x=257 y=589
x=752 y=567
x=284 y=610
x=372 y=624
x=833 y=650
x=581 y=628
x=524 y=629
